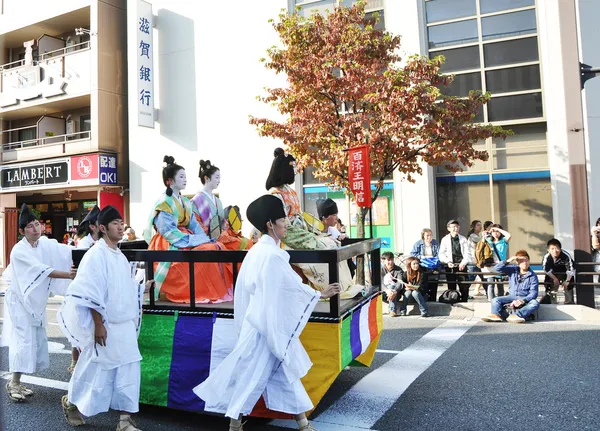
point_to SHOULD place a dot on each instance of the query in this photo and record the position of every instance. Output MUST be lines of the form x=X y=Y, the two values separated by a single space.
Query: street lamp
x=588 y=72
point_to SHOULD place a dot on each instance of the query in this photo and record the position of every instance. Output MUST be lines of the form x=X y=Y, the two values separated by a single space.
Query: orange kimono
x=177 y=229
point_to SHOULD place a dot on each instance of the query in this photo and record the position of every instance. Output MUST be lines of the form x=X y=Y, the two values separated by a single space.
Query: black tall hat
x=26 y=216
x=92 y=216
x=108 y=214
x=326 y=207
x=263 y=209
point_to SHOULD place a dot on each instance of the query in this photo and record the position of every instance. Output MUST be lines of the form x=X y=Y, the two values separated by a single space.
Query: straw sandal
x=71 y=412
x=127 y=425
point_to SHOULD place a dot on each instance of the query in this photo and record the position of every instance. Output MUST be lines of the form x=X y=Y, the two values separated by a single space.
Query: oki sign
x=359 y=175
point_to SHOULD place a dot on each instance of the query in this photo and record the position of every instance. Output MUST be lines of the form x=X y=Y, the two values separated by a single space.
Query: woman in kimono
x=300 y=234
x=176 y=228
x=221 y=225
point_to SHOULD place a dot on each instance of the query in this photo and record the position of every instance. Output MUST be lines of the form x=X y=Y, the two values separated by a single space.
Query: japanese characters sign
x=145 y=67
x=108 y=169
x=359 y=175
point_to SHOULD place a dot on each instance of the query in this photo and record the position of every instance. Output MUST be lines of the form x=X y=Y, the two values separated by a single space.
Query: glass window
x=381 y=19
x=511 y=51
x=509 y=24
x=462 y=84
x=28 y=134
x=463 y=201
x=526 y=149
x=85 y=123
x=455 y=33
x=515 y=107
x=514 y=79
x=459 y=59
x=524 y=208
x=488 y=6
x=441 y=10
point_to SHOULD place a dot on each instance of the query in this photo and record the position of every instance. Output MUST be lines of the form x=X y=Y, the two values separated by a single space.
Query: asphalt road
x=430 y=374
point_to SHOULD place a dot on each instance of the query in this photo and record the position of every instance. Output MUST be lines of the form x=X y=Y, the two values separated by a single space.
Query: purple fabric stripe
x=190 y=364
x=355 y=343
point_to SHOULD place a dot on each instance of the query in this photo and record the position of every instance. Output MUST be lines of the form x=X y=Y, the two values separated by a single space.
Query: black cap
x=108 y=214
x=263 y=209
x=26 y=216
x=326 y=207
x=92 y=216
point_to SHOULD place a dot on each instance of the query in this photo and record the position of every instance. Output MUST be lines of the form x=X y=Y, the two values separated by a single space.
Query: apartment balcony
x=47 y=147
x=56 y=75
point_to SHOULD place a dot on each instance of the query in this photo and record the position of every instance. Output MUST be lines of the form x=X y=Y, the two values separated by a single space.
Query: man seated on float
x=328 y=215
x=177 y=229
x=219 y=224
x=302 y=235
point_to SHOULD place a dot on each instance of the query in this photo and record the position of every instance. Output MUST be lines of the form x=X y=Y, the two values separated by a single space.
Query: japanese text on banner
x=145 y=68
x=359 y=175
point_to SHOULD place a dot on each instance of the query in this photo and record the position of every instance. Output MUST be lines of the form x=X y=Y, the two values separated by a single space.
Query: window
x=441 y=10
x=526 y=149
x=85 y=123
x=515 y=107
x=381 y=19
x=28 y=134
x=514 y=79
x=511 y=51
x=463 y=84
x=508 y=25
x=455 y=33
x=488 y=6
x=459 y=59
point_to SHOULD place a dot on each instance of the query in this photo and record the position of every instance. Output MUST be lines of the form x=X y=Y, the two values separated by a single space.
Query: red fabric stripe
x=373 y=330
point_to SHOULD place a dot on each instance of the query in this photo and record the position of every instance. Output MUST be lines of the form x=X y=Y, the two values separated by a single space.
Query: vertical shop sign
x=359 y=175
x=145 y=67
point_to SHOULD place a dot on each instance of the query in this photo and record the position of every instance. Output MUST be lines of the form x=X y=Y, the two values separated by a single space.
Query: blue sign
x=108 y=169
x=386 y=242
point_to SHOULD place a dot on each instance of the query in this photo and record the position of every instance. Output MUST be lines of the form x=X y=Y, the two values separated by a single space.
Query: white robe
x=86 y=242
x=271 y=308
x=29 y=285
x=105 y=376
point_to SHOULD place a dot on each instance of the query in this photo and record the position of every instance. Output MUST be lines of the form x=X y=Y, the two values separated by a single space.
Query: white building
x=63 y=124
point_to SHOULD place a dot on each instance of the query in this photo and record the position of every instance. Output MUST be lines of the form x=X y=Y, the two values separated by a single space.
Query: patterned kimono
x=177 y=229
x=209 y=213
x=302 y=236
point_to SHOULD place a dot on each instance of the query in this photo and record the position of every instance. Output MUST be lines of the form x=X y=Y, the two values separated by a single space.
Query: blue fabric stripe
x=355 y=343
x=190 y=364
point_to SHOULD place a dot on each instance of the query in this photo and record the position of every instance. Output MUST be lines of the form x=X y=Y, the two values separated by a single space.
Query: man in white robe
x=271 y=308
x=102 y=315
x=38 y=265
x=90 y=226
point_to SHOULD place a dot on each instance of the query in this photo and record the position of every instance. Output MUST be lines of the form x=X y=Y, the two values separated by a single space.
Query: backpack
x=484 y=255
x=449 y=297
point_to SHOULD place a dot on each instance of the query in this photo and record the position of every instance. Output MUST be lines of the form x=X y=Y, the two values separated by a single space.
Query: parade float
x=182 y=343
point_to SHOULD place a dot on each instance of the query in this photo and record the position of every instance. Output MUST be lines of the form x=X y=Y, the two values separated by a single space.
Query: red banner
x=359 y=175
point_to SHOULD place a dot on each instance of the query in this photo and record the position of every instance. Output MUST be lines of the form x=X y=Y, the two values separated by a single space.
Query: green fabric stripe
x=156 y=347
x=345 y=339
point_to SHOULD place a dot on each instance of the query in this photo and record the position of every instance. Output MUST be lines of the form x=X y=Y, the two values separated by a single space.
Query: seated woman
x=301 y=235
x=221 y=225
x=414 y=284
x=177 y=229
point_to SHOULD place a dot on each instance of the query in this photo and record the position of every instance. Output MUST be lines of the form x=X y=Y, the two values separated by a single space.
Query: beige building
x=63 y=118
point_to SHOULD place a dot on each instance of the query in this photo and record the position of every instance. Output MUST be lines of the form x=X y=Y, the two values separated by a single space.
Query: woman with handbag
x=498 y=240
x=426 y=250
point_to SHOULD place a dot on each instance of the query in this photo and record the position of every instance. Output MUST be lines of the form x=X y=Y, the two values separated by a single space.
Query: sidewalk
x=479 y=307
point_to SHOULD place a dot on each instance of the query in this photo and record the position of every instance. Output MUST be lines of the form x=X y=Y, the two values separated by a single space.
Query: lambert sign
x=35 y=175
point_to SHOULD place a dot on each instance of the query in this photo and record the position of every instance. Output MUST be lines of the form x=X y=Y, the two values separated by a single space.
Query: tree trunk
x=361 y=214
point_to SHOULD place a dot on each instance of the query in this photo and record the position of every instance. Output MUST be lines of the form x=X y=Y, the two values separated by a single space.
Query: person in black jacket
x=391 y=275
x=414 y=284
x=560 y=269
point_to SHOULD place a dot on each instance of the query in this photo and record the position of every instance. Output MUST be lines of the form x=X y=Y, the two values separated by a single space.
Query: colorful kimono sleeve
x=166 y=226
x=195 y=227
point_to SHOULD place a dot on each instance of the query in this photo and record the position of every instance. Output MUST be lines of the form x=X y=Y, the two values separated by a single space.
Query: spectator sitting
x=391 y=274
x=413 y=285
x=560 y=269
x=129 y=234
x=596 y=249
x=455 y=253
x=427 y=247
x=523 y=290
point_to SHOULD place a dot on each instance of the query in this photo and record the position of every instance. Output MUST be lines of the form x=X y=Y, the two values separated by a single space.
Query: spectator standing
x=427 y=247
x=523 y=287
x=559 y=268
x=596 y=249
x=474 y=236
x=413 y=285
x=455 y=254
x=498 y=240
x=391 y=275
